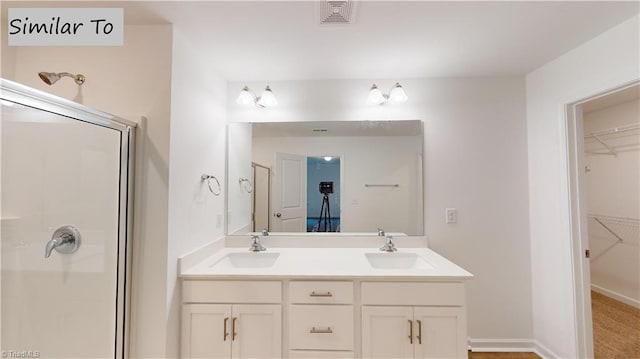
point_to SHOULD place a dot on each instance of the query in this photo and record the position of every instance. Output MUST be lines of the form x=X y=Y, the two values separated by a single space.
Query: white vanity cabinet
x=413 y=320
x=219 y=322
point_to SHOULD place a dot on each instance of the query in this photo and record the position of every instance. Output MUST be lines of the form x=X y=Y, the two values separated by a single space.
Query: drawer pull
x=225 y=333
x=321 y=294
x=325 y=330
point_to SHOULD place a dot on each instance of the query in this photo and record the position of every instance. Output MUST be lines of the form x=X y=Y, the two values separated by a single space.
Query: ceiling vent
x=336 y=12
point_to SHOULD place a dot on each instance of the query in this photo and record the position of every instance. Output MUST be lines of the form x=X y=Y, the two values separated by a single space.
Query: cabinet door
x=387 y=332
x=258 y=331
x=440 y=332
x=205 y=331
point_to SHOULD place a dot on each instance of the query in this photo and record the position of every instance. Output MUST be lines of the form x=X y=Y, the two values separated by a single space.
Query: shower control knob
x=65 y=239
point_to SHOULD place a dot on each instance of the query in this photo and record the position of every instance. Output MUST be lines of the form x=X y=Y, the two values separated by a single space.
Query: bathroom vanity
x=329 y=302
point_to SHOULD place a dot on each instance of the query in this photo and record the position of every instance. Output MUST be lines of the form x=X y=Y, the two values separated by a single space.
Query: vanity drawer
x=412 y=293
x=321 y=327
x=212 y=291
x=321 y=292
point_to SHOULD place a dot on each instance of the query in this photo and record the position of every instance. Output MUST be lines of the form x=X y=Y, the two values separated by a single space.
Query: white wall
x=475 y=160
x=8 y=54
x=129 y=81
x=365 y=159
x=607 y=61
x=239 y=204
x=612 y=188
x=198 y=146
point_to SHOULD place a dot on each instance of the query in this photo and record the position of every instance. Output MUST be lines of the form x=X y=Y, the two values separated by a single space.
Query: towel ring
x=246 y=184
x=208 y=178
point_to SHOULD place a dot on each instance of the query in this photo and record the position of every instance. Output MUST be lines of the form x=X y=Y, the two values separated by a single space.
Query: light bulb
x=375 y=96
x=245 y=97
x=267 y=99
x=397 y=94
x=327 y=158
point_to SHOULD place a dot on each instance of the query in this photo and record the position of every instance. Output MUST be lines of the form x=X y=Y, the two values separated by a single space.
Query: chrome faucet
x=255 y=245
x=265 y=232
x=389 y=246
x=380 y=232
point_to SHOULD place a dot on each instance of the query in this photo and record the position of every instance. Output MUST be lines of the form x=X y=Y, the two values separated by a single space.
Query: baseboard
x=511 y=345
x=615 y=295
x=543 y=352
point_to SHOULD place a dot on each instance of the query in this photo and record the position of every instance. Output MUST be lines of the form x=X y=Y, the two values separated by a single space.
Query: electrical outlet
x=451 y=215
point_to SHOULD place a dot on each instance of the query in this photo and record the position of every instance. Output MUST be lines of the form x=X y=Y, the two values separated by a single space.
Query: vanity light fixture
x=248 y=97
x=328 y=158
x=395 y=95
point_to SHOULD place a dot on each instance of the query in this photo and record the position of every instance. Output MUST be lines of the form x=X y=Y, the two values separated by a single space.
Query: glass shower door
x=61 y=230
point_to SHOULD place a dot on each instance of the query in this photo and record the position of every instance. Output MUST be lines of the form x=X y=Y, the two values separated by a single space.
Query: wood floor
x=489 y=355
x=616 y=332
x=616 y=328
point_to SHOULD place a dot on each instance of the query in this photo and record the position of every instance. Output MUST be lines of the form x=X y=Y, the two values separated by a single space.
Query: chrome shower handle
x=65 y=239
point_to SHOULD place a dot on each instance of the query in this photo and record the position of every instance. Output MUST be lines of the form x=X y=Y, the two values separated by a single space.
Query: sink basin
x=397 y=260
x=247 y=260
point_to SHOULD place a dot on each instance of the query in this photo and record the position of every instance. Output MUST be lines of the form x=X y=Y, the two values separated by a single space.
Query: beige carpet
x=616 y=328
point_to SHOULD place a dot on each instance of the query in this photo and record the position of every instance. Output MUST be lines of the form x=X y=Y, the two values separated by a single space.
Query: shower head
x=50 y=78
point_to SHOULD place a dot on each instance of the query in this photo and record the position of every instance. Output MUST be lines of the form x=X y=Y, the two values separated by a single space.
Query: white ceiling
x=281 y=40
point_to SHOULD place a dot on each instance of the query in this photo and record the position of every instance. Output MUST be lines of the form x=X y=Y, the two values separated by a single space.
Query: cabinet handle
x=234 y=334
x=321 y=294
x=419 y=331
x=410 y=331
x=225 y=333
x=326 y=330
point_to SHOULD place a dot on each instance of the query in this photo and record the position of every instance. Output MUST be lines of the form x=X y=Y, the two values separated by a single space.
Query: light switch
x=451 y=215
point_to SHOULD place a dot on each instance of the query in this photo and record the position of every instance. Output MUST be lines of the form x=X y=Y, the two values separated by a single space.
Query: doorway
x=604 y=138
x=323 y=194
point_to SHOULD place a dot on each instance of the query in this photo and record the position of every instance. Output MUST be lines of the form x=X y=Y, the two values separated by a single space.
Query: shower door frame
x=29 y=97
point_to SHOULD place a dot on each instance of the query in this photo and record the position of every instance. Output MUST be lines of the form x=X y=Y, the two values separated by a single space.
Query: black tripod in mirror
x=325 y=212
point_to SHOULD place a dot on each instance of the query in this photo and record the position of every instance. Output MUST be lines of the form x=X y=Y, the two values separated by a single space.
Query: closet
x=611 y=127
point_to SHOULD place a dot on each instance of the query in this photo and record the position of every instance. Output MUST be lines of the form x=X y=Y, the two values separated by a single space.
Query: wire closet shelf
x=613 y=140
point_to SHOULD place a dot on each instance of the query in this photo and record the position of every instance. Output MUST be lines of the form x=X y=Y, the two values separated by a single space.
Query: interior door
x=290 y=193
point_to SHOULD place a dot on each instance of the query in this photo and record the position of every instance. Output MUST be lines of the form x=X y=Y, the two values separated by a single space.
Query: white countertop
x=323 y=263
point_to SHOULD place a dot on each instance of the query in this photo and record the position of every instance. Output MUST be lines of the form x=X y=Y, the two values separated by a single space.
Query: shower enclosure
x=66 y=190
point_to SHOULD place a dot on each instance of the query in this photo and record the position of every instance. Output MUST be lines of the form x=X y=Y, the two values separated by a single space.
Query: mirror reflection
x=333 y=176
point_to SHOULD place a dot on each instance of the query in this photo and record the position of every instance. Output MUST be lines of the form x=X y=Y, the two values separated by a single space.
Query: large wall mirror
x=333 y=176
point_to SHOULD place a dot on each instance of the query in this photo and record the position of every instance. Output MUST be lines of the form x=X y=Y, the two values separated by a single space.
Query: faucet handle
x=265 y=232
x=380 y=232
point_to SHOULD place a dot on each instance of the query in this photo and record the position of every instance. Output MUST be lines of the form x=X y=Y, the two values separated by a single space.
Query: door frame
x=572 y=127
x=342 y=186
x=30 y=97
